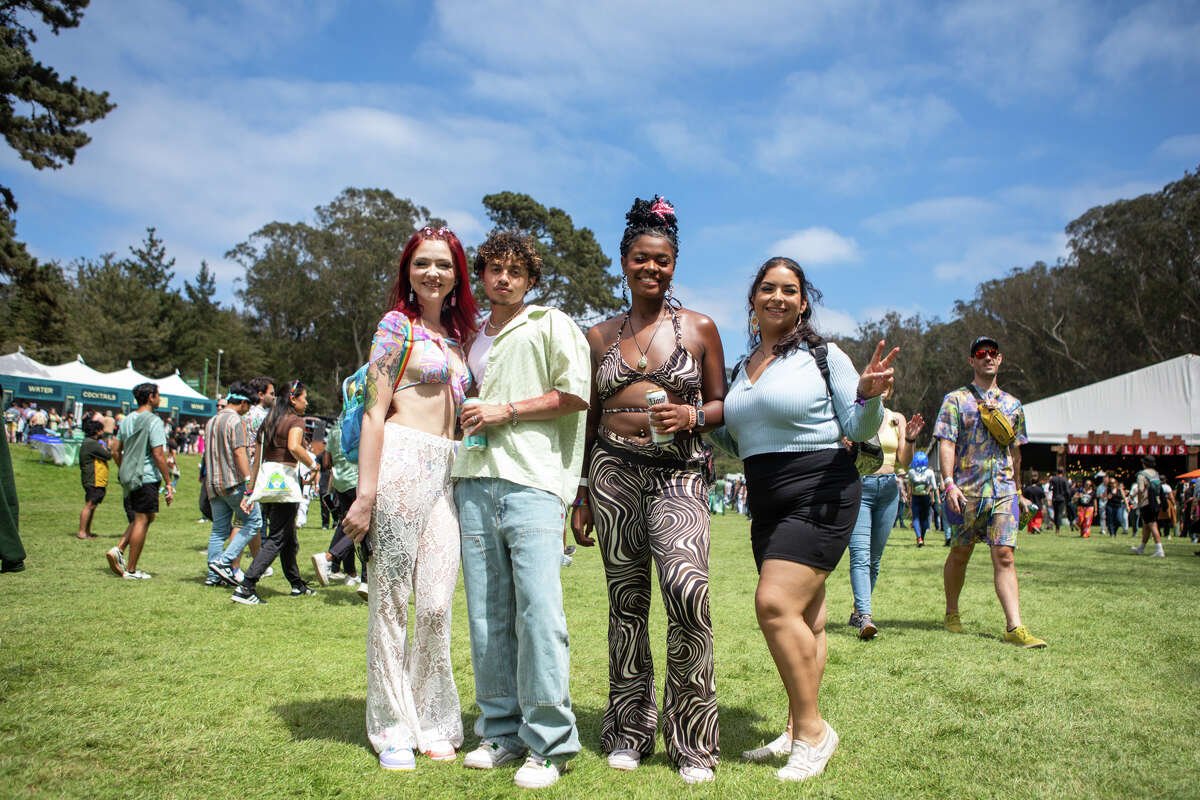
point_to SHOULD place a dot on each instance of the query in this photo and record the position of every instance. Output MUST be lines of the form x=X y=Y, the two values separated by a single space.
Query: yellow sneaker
x=953 y=623
x=1021 y=635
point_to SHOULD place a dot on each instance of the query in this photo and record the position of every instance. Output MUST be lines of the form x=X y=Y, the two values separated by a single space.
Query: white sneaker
x=337 y=575
x=362 y=590
x=1137 y=550
x=696 y=774
x=624 y=759
x=1158 y=554
x=807 y=760
x=321 y=567
x=116 y=561
x=270 y=571
x=398 y=759
x=352 y=581
x=537 y=773
x=136 y=575
x=781 y=746
x=488 y=755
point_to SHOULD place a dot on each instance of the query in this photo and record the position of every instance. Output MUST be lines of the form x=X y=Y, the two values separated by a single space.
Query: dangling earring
x=412 y=296
x=669 y=297
x=624 y=288
x=755 y=330
x=453 y=298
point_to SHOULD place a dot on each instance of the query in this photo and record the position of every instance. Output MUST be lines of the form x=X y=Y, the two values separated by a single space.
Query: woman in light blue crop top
x=416 y=380
x=792 y=401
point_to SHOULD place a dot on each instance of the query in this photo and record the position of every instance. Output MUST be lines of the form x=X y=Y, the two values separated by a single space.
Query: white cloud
x=958 y=210
x=992 y=256
x=881 y=311
x=832 y=322
x=1156 y=33
x=683 y=146
x=1011 y=49
x=1185 y=147
x=817 y=246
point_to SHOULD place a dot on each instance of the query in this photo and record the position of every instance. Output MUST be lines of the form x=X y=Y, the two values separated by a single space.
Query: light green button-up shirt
x=542 y=349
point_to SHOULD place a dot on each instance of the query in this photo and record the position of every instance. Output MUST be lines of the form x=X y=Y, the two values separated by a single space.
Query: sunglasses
x=986 y=352
x=440 y=232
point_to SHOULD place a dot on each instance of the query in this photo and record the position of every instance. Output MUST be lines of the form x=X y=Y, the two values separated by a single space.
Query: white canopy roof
x=78 y=372
x=176 y=386
x=1163 y=399
x=22 y=366
x=127 y=378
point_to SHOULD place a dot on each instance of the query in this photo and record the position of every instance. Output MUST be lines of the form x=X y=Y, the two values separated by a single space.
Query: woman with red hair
x=416 y=381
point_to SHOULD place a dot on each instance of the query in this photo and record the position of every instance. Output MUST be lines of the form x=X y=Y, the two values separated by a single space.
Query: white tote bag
x=276 y=483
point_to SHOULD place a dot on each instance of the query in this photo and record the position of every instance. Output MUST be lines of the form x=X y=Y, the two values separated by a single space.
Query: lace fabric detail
x=412 y=700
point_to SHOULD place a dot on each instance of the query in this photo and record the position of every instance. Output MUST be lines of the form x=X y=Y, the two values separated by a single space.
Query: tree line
x=1127 y=295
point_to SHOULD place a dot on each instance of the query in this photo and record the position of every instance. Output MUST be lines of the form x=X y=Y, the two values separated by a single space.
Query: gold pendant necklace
x=643 y=362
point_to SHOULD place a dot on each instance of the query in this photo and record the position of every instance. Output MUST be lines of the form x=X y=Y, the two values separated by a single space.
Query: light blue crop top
x=789 y=409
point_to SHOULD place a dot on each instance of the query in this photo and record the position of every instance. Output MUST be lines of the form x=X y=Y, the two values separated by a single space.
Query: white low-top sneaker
x=807 y=760
x=537 y=773
x=398 y=759
x=321 y=567
x=624 y=759
x=489 y=754
x=696 y=774
x=781 y=746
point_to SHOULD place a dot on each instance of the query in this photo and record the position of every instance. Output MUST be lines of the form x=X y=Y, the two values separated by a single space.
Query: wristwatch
x=699 y=416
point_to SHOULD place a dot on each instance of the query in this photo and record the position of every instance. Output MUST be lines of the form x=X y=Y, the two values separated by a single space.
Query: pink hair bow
x=662 y=208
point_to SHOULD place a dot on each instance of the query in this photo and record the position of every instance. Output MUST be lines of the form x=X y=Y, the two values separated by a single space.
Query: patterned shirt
x=982 y=467
x=253 y=421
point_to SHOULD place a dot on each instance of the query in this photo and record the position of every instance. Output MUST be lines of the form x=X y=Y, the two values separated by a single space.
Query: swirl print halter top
x=679 y=374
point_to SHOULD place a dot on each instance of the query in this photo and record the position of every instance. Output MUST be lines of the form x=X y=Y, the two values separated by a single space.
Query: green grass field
x=166 y=689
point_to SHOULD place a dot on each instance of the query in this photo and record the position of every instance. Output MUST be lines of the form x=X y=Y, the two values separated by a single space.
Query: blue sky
x=903 y=152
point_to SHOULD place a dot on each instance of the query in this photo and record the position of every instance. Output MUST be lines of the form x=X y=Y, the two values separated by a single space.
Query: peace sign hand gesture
x=878 y=375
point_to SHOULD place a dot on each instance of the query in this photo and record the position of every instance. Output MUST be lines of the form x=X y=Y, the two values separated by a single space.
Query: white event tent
x=1163 y=399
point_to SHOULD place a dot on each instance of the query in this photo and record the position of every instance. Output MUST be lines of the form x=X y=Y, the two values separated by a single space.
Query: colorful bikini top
x=679 y=374
x=398 y=334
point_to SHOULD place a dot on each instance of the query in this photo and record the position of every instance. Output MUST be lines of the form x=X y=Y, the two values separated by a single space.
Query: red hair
x=460 y=309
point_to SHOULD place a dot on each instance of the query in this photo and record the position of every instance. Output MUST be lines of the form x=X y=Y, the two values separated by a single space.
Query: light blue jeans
x=225 y=508
x=512 y=545
x=880 y=495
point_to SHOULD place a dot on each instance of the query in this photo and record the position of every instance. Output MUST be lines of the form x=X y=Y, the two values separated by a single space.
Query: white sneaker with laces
x=136 y=575
x=1158 y=554
x=352 y=581
x=321 y=567
x=488 y=755
x=696 y=775
x=537 y=773
x=270 y=571
x=808 y=760
x=624 y=759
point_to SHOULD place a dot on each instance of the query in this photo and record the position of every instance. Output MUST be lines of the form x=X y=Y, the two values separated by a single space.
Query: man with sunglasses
x=980 y=431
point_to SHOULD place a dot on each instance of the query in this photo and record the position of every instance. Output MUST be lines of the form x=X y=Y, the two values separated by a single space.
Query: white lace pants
x=411 y=697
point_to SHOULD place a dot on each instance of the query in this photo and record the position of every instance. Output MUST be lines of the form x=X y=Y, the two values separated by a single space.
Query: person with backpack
x=788 y=408
x=140 y=454
x=922 y=486
x=415 y=383
x=1150 y=501
x=980 y=429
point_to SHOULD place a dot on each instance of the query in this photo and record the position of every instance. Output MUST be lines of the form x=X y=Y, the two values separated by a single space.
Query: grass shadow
x=336 y=719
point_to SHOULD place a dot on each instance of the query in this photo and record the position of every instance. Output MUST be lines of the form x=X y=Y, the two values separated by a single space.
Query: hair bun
x=656 y=213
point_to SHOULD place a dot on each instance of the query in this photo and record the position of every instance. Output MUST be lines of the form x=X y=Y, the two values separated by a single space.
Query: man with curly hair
x=533 y=373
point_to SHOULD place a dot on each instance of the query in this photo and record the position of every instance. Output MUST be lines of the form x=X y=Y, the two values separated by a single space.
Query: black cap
x=981 y=341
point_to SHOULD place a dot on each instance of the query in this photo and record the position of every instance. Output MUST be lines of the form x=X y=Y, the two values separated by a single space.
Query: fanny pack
x=995 y=420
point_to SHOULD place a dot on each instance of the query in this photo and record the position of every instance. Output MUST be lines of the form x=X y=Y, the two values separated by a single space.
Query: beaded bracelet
x=579 y=502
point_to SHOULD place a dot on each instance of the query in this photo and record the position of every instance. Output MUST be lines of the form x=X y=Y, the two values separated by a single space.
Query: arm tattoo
x=386 y=368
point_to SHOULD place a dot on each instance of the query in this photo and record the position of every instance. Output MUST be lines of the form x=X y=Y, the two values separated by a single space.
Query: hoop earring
x=755 y=329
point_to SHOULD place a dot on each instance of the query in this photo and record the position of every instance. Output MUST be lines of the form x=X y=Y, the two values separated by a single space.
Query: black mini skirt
x=803 y=506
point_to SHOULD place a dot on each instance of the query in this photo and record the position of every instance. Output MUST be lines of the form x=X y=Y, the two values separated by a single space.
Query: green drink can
x=477 y=440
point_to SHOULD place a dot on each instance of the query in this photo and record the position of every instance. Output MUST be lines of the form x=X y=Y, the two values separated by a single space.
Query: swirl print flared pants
x=650 y=514
x=411 y=697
